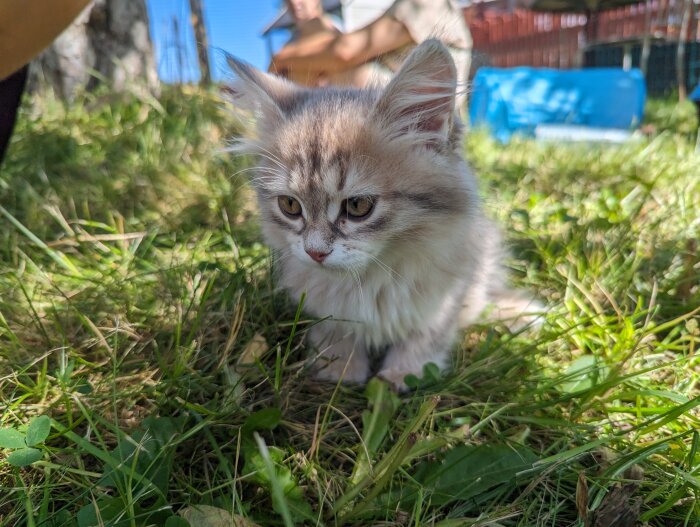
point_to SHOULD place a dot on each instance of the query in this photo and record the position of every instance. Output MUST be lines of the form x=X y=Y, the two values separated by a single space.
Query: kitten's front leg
x=339 y=356
x=409 y=357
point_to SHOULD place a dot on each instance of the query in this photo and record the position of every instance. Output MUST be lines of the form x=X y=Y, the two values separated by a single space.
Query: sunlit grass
x=137 y=311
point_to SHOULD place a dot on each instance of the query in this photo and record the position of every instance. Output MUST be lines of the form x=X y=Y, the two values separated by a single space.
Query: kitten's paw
x=395 y=378
x=353 y=370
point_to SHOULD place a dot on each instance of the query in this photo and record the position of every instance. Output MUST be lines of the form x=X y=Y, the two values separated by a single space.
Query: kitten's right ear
x=258 y=91
x=419 y=102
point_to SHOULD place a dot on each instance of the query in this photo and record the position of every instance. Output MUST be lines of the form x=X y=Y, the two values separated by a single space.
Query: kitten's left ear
x=256 y=90
x=421 y=96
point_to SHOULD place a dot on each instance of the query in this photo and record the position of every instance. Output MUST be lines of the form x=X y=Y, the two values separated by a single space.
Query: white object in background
x=359 y=13
x=573 y=133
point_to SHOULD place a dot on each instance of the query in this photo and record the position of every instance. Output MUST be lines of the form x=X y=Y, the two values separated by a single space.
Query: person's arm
x=28 y=26
x=323 y=53
x=315 y=37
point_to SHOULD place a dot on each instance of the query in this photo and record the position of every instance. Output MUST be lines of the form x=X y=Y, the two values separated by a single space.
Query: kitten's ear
x=421 y=96
x=258 y=91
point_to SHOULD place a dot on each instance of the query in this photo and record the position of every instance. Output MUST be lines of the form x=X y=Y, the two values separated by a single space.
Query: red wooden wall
x=523 y=37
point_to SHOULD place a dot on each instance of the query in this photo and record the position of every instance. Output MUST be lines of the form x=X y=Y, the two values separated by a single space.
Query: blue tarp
x=516 y=100
x=695 y=94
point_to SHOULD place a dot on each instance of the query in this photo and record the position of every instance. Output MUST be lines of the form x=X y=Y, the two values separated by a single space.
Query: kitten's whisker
x=272 y=157
x=393 y=274
x=356 y=276
x=263 y=170
x=264 y=180
x=269 y=171
x=283 y=254
x=265 y=153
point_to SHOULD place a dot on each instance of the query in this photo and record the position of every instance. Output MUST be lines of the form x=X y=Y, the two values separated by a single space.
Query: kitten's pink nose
x=317 y=256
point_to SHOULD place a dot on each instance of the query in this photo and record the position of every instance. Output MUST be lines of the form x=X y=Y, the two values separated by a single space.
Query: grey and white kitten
x=375 y=216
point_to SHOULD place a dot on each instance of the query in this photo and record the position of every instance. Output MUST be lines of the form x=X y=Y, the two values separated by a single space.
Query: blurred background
x=551 y=69
x=660 y=37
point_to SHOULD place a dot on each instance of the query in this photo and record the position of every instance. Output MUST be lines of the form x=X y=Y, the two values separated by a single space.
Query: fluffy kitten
x=374 y=215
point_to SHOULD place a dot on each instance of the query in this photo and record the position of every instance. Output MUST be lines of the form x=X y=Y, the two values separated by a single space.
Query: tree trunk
x=109 y=42
x=200 y=35
x=680 y=52
x=646 y=43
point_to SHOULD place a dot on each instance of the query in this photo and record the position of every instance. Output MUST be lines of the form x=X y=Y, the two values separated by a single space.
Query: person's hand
x=329 y=52
x=315 y=26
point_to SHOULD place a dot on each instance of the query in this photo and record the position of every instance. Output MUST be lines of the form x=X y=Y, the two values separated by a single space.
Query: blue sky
x=234 y=26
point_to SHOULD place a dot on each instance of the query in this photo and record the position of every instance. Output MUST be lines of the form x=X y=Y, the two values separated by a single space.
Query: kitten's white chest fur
x=374 y=215
x=384 y=304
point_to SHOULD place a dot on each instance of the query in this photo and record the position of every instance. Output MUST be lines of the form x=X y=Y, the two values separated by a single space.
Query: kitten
x=374 y=215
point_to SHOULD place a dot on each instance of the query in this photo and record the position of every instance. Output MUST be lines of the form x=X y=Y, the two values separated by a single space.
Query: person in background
x=26 y=28
x=309 y=19
x=373 y=53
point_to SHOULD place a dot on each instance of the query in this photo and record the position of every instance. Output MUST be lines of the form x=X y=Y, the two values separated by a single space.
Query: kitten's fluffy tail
x=491 y=299
x=515 y=308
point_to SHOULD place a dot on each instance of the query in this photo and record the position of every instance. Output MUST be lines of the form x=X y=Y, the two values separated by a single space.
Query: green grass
x=665 y=115
x=137 y=312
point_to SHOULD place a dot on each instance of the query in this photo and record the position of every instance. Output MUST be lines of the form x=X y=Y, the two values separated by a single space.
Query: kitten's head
x=344 y=175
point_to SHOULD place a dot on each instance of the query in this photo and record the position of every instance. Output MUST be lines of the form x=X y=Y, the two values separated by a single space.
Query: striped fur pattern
x=400 y=281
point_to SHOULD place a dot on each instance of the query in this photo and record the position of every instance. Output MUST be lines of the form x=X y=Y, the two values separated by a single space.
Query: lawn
x=137 y=315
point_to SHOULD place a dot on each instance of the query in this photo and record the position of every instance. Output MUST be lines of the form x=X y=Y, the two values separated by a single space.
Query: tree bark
x=680 y=52
x=646 y=43
x=200 y=35
x=109 y=42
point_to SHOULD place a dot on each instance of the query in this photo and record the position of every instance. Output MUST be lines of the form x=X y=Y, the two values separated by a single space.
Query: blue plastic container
x=517 y=100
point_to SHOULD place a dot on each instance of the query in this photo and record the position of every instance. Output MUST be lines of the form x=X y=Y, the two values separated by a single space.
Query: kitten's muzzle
x=318 y=256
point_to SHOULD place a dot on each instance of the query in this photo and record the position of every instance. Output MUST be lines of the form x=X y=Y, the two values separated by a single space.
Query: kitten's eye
x=358 y=207
x=290 y=206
